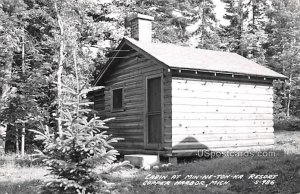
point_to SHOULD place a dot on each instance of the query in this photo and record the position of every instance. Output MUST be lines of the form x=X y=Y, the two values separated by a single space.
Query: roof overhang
x=119 y=48
x=131 y=44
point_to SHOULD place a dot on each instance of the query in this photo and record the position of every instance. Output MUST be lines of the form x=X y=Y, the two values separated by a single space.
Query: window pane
x=154 y=128
x=154 y=94
x=118 y=98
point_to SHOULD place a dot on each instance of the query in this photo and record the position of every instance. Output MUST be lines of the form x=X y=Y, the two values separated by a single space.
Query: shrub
x=18 y=161
x=28 y=161
x=73 y=155
x=288 y=124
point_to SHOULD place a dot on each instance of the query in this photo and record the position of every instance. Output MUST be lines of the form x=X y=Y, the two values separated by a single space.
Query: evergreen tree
x=182 y=22
x=254 y=36
x=232 y=34
x=283 y=49
x=38 y=37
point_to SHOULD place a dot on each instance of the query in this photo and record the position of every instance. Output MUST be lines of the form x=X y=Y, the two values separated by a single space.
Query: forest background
x=41 y=40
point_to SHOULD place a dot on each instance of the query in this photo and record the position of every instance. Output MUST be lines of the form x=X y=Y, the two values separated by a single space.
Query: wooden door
x=154 y=112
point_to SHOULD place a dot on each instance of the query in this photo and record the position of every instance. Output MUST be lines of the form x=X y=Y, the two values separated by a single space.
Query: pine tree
x=179 y=22
x=18 y=103
x=283 y=48
x=82 y=145
x=33 y=26
x=232 y=34
x=254 y=36
x=207 y=32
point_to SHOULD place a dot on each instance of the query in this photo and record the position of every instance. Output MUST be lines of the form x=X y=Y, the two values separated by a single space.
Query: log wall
x=129 y=124
x=219 y=115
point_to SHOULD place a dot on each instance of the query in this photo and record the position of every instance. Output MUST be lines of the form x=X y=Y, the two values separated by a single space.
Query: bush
x=73 y=155
x=288 y=124
x=28 y=161
x=25 y=161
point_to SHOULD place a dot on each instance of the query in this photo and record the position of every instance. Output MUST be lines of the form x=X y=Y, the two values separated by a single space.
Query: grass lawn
x=289 y=141
x=286 y=167
x=20 y=180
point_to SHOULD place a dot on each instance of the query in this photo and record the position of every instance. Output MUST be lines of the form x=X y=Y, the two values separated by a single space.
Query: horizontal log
x=220 y=130
x=125 y=125
x=211 y=86
x=124 y=131
x=124 y=114
x=137 y=75
x=126 y=145
x=220 y=109
x=122 y=80
x=139 y=68
x=120 y=120
x=220 y=137
x=220 y=95
x=218 y=82
x=180 y=152
x=127 y=109
x=127 y=138
x=221 y=123
x=130 y=64
x=220 y=116
x=162 y=152
x=222 y=144
x=220 y=102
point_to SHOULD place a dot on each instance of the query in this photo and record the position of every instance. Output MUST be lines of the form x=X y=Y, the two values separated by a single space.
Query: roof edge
x=145 y=53
x=134 y=46
x=107 y=64
x=231 y=73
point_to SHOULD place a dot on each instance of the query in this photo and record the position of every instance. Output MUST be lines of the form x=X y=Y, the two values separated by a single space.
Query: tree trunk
x=17 y=141
x=203 y=22
x=6 y=88
x=23 y=53
x=253 y=14
x=23 y=141
x=59 y=71
x=240 y=26
x=288 y=104
x=6 y=81
x=23 y=72
x=77 y=80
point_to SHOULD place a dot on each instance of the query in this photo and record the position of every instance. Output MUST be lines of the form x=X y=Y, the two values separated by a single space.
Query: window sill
x=118 y=110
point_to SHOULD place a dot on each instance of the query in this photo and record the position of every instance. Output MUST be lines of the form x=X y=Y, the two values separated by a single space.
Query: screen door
x=154 y=112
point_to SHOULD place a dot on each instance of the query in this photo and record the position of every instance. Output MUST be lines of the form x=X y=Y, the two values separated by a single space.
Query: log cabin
x=173 y=101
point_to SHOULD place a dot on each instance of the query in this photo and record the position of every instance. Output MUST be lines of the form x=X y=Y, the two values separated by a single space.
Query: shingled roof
x=200 y=59
x=189 y=58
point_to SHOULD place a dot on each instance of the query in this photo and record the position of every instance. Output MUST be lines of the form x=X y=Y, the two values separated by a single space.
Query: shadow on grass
x=287 y=167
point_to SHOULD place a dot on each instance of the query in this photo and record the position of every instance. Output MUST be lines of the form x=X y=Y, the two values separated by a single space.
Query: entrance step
x=141 y=160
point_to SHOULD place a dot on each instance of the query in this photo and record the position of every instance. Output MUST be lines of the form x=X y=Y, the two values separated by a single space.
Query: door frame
x=148 y=145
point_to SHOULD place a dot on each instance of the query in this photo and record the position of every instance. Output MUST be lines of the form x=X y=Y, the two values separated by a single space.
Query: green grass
x=20 y=175
x=25 y=161
x=19 y=180
x=286 y=167
x=23 y=187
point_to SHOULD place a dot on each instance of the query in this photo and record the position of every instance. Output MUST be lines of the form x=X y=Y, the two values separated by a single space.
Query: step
x=142 y=160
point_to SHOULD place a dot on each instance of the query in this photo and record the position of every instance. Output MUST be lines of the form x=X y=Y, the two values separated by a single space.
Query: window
x=117 y=99
x=154 y=114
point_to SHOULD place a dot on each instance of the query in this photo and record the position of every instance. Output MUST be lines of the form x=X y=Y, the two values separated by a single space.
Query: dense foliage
x=83 y=145
x=50 y=51
x=38 y=37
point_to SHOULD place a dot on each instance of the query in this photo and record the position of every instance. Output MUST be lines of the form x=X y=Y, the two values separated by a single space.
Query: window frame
x=148 y=145
x=112 y=109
